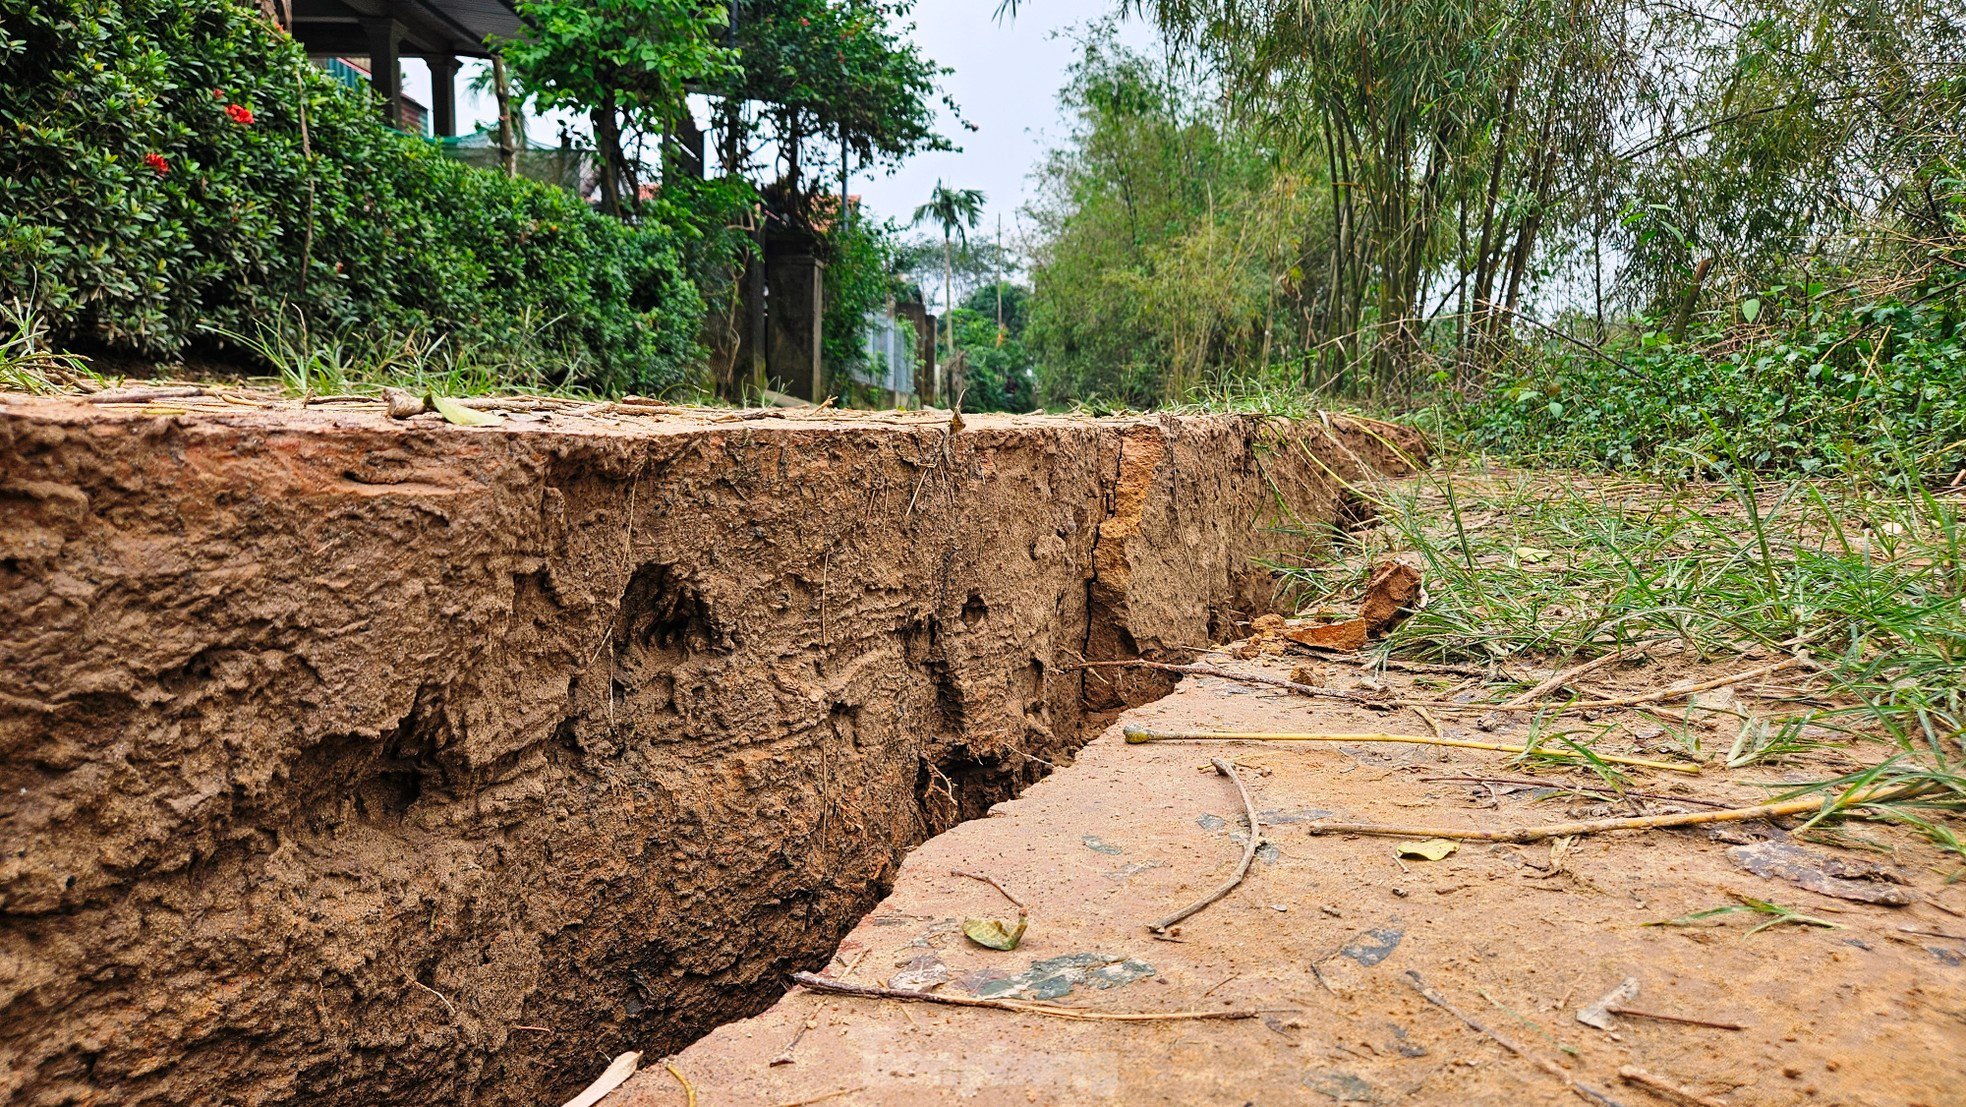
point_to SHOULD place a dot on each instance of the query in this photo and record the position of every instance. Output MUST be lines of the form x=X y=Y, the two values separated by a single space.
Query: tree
x=955 y=211
x=828 y=75
x=626 y=63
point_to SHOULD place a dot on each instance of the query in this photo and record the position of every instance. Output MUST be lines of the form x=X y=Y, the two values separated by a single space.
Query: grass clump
x=1861 y=579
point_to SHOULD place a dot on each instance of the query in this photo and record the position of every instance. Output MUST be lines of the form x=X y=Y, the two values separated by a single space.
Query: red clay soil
x=349 y=760
x=1320 y=940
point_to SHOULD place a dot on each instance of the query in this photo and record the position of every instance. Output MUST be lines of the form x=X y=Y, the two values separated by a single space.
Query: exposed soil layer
x=1321 y=937
x=355 y=761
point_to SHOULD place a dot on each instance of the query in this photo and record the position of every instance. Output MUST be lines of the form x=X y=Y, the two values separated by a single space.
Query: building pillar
x=795 y=317
x=385 y=67
x=443 y=95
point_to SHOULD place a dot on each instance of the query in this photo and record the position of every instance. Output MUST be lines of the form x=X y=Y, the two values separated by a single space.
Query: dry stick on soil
x=1551 y=1067
x=820 y=983
x=991 y=881
x=1596 y=826
x=1197 y=669
x=1632 y=1074
x=1583 y=790
x=1933 y=934
x=1660 y=1016
x=689 y=1089
x=1249 y=848
x=823 y=1097
x=1136 y=735
x=1565 y=677
x=1396 y=663
x=1320 y=691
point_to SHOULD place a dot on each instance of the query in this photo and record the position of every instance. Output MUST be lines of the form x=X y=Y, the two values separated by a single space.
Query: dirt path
x=1322 y=936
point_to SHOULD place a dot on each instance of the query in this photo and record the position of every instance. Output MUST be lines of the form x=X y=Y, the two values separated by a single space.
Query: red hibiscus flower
x=157 y=163
x=240 y=114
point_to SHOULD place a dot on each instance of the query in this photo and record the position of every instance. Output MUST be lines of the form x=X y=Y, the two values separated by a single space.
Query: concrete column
x=443 y=95
x=385 y=67
x=795 y=318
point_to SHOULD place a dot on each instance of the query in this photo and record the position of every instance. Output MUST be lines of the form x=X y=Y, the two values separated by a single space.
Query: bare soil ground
x=1837 y=1001
x=1322 y=937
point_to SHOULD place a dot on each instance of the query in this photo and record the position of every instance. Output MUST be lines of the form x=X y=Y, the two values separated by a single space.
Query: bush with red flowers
x=155 y=198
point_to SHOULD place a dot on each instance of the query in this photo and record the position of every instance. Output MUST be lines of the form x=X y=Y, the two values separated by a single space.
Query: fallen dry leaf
x=992 y=934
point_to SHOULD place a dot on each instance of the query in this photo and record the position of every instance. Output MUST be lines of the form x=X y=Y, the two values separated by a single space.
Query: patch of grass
x=313 y=361
x=26 y=362
x=1539 y=571
x=1777 y=915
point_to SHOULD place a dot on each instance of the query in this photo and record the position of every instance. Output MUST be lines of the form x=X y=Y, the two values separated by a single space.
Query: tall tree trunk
x=508 y=149
x=610 y=152
x=948 y=315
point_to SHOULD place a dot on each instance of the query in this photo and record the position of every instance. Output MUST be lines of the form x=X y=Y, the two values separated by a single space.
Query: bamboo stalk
x=1320 y=691
x=870 y=991
x=1136 y=735
x=1801 y=806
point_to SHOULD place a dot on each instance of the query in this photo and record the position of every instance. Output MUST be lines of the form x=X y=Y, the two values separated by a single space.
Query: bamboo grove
x=1376 y=196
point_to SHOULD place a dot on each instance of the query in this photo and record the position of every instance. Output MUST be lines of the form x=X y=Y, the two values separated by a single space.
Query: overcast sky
x=1006 y=81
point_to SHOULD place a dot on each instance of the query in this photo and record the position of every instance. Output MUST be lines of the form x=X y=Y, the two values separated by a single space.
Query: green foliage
x=174 y=171
x=833 y=70
x=860 y=257
x=626 y=62
x=1171 y=241
x=1000 y=371
x=1839 y=388
x=1357 y=191
x=635 y=54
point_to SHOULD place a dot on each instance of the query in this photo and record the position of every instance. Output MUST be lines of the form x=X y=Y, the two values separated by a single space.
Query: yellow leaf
x=463 y=416
x=1433 y=849
x=991 y=934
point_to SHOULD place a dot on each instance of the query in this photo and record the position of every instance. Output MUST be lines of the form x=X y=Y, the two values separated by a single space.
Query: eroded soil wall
x=352 y=761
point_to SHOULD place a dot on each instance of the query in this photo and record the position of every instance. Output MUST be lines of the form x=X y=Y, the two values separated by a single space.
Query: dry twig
x=1249 y=848
x=689 y=1089
x=1551 y=1067
x=1632 y=1074
x=1135 y=735
x=820 y=983
x=1566 y=676
x=991 y=881
x=1801 y=806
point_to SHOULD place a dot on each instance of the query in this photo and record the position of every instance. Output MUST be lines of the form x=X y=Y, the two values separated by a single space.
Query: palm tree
x=956 y=211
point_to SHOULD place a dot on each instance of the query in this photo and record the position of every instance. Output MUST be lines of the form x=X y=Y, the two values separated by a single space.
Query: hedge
x=173 y=171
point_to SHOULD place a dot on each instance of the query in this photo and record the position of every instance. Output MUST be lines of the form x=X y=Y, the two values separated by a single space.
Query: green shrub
x=173 y=172
x=1825 y=391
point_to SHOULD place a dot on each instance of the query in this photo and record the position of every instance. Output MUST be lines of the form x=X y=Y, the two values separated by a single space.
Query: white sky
x=1006 y=81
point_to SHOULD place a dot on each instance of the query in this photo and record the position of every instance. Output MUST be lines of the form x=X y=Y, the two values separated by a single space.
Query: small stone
x=1400 y=892
x=1792 y=1072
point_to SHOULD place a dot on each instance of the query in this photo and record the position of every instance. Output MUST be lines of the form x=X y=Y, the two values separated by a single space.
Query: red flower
x=157 y=163
x=805 y=22
x=218 y=94
x=240 y=114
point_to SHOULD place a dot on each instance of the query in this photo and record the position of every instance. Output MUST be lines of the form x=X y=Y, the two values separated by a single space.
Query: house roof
x=430 y=27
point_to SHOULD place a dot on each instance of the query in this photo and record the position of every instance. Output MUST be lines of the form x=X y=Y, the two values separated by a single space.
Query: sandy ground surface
x=1322 y=937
